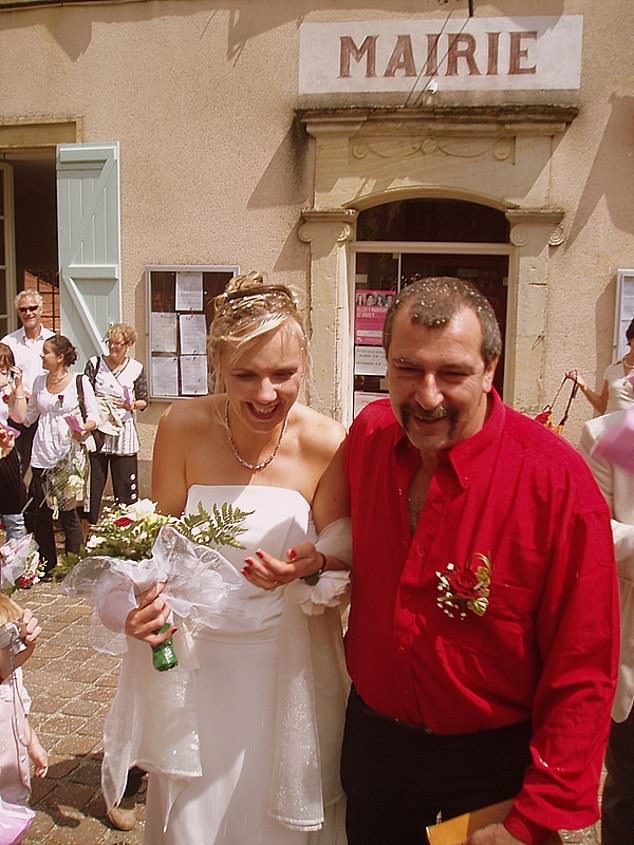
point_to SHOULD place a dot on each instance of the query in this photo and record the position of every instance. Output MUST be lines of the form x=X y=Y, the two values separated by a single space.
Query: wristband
x=313 y=579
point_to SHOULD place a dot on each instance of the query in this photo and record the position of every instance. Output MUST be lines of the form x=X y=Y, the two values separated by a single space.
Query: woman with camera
x=12 y=407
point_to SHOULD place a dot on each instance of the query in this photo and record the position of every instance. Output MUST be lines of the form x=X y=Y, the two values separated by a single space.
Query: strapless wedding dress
x=236 y=699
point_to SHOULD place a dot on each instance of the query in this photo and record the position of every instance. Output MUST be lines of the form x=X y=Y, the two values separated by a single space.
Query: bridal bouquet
x=132 y=547
x=65 y=482
x=20 y=564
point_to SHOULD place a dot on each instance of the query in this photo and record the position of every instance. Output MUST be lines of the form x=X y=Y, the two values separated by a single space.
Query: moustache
x=439 y=413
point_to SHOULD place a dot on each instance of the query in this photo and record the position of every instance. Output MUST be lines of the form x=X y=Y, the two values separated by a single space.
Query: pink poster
x=370 y=310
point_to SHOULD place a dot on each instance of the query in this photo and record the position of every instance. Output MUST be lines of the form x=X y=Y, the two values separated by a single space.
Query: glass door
x=376 y=282
x=380 y=275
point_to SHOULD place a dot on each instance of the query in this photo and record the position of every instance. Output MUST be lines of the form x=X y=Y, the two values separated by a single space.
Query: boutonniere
x=466 y=588
x=5 y=398
x=60 y=397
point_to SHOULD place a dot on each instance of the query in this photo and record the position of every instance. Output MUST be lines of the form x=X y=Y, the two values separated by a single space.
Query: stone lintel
x=546 y=216
x=507 y=119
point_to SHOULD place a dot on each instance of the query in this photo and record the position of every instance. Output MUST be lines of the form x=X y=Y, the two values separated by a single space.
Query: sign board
x=369 y=315
x=458 y=54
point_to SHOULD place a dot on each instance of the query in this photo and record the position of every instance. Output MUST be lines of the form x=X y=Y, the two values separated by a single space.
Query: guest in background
x=26 y=344
x=55 y=397
x=617 y=485
x=12 y=407
x=120 y=387
x=617 y=389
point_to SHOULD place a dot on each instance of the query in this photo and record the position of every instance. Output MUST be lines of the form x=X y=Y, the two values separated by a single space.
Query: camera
x=10 y=638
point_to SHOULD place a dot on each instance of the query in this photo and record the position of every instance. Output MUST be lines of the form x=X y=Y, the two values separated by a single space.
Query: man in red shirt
x=483 y=634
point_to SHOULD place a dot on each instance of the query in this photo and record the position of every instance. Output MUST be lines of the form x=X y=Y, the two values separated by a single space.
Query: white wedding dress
x=254 y=758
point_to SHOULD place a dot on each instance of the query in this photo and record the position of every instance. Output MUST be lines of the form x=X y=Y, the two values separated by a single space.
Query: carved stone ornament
x=338 y=220
x=558 y=236
x=453 y=147
x=519 y=235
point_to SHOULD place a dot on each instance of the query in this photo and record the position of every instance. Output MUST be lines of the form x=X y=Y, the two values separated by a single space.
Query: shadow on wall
x=611 y=175
x=246 y=19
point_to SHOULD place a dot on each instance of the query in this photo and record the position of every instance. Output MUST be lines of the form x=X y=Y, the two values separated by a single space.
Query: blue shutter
x=89 y=243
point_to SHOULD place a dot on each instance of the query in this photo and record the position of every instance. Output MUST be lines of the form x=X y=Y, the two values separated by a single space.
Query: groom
x=483 y=633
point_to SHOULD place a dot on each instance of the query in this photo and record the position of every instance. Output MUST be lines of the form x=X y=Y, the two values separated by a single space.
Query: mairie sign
x=461 y=54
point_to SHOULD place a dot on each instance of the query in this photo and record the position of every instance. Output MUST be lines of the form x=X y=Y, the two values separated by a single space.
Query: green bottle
x=164 y=656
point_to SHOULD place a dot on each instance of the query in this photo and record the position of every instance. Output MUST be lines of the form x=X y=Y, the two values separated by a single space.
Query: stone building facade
x=148 y=149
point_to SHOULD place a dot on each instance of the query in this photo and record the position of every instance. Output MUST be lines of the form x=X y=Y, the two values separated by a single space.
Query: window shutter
x=89 y=243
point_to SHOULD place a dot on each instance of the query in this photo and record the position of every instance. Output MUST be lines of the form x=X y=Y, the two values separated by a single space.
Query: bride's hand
x=151 y=614
x=268 y=572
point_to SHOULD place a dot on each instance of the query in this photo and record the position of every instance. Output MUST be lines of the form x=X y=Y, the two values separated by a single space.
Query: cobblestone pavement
x=72 y=686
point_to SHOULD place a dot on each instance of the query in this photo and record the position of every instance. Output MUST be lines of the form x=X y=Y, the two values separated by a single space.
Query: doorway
x=29 y=234
x=399 y=242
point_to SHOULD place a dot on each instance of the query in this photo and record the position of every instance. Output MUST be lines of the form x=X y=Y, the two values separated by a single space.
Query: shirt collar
x=462 y=457
x=40 y=336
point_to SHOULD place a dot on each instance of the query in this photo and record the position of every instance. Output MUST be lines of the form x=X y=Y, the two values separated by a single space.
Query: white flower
x=93 y=542
x=141 y=509
x=74 y=486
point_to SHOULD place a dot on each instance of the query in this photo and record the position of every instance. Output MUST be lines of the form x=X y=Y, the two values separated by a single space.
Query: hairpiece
x=252 y=298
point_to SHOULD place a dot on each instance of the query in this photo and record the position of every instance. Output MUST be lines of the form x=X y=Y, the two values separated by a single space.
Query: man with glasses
x=26 y=343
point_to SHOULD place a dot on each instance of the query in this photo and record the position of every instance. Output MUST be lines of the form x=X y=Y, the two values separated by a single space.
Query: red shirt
x=546 y=647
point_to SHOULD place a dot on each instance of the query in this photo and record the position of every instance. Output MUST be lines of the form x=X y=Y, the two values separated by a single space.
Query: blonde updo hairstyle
x=248 y=309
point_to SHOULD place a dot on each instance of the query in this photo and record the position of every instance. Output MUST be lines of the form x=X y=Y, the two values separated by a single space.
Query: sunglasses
x=28 y=308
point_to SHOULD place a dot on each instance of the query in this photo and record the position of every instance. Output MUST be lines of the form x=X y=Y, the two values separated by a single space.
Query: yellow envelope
x=459 y=829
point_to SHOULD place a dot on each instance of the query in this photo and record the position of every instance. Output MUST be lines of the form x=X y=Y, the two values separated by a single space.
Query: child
x=18 y=740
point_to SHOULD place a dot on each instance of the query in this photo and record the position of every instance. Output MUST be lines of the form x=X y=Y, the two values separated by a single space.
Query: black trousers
x=39 y=520
x=398 y=779
x=125 y=480
x=617 y=805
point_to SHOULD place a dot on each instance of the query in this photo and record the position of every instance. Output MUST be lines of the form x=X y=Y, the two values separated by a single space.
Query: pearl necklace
x=51 y=381
x=238 y=456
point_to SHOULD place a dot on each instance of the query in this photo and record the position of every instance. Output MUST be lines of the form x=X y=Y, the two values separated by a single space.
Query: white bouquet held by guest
x=133 y=547
x=20 y=564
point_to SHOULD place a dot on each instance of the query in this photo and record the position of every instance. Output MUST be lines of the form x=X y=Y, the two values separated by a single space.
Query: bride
x=269 y=688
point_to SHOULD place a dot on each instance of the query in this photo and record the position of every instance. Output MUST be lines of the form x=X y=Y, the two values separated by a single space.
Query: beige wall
x=216 y=169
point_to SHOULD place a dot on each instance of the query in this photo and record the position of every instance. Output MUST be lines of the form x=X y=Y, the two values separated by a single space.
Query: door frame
x=437 y=248
x=8 y=234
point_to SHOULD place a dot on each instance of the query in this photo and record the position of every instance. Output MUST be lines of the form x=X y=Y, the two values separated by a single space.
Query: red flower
x=464 y=584
x=23 y=583
x=60 y=396
x=123 y=521
x=5 y=398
